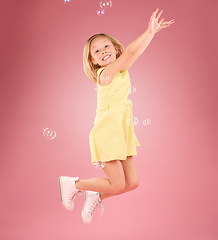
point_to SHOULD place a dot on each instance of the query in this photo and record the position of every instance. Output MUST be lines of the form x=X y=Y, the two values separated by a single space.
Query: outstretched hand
x=154 y=26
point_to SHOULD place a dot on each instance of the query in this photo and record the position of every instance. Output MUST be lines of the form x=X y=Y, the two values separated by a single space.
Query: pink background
x=43 y=85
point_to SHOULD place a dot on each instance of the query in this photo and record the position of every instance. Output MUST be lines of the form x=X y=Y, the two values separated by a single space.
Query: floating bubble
x=105 y=77
x=128 y=121
x=105 y=4
x=96 y=164
x=100 y=12
x=67 y=1
x=49 y=133
x=99 y=164
x=146 y=122
x=131 y=90
x=102 y=164
x=135 y=121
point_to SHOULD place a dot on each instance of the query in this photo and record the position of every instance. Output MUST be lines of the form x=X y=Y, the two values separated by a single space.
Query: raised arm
x=134 y=48
x=137 y=47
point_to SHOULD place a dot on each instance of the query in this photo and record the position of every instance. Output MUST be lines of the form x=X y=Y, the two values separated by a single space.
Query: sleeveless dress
x=112 y=136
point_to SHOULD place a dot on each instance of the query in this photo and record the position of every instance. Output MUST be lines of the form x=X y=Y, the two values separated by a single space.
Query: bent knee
x=119 y=187
x=132 y=185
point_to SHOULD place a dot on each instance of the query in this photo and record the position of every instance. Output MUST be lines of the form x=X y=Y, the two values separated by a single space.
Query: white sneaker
x=68 y=191
x=92 y=199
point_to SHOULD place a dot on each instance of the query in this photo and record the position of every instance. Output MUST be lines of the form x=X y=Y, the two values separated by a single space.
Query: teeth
x=106 y=57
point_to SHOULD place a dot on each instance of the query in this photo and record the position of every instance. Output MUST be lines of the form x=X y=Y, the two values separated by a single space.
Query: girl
x=112 y=140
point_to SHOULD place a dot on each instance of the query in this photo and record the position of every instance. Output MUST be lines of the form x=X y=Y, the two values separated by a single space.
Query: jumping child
x=112 y=139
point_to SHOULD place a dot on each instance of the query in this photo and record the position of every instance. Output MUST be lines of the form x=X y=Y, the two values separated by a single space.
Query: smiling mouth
x=106 y=57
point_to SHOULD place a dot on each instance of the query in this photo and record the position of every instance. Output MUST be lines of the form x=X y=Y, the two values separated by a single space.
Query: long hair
x=90 y=68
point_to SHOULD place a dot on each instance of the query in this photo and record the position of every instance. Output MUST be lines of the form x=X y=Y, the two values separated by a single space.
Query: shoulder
x=103 y=81
x=99 y=71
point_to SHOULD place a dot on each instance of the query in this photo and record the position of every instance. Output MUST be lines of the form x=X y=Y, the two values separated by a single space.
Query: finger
x=168 y=22
x=161 y=21
x=165 y=25
x=171 y=21
x=154 y=14
x=159 y=14
x=161 y=28
x=156 y=10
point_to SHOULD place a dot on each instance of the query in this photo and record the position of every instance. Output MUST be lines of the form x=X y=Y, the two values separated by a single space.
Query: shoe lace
x=73 y=195
x=94 y=205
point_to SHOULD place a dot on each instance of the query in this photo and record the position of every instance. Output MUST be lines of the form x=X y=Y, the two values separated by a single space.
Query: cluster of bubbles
x=49 y=133
x=145 y=122
x=67 y=1
x=135 y=121
x=99 y=164
x=104 y=5
x=131 y=90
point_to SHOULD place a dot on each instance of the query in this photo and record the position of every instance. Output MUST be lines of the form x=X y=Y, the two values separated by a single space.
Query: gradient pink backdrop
x=43 y=85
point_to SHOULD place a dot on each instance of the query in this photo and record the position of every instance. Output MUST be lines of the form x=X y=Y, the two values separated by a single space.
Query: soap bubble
x=100 y=12
x=96 y=164
x=135 y=121
x=105 y=4
x=146 y=122
x=99 y=164
x=102 y=164
x=49 y=133
x=131 y=90
x=105 y=77
x=128 y=121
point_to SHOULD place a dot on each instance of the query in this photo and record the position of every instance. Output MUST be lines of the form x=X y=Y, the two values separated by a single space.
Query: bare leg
x=122 y=177
x=115 y=182
x=131 y=177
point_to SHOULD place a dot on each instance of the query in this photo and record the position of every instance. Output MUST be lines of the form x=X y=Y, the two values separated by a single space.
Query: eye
x=106 y=45
x=96 y=51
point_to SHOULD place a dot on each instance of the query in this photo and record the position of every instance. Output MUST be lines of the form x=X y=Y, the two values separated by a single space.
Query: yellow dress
x=112 y=136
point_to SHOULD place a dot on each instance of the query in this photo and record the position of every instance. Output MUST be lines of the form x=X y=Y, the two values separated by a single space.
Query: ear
x=117 y=51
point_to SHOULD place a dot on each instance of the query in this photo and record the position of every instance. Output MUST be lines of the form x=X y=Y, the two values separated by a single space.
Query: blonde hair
x=89 y=67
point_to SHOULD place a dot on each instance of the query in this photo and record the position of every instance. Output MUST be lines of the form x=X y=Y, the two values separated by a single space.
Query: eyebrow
x=95 y=46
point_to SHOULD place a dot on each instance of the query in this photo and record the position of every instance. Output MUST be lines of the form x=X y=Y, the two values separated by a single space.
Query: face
x=102 y=51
